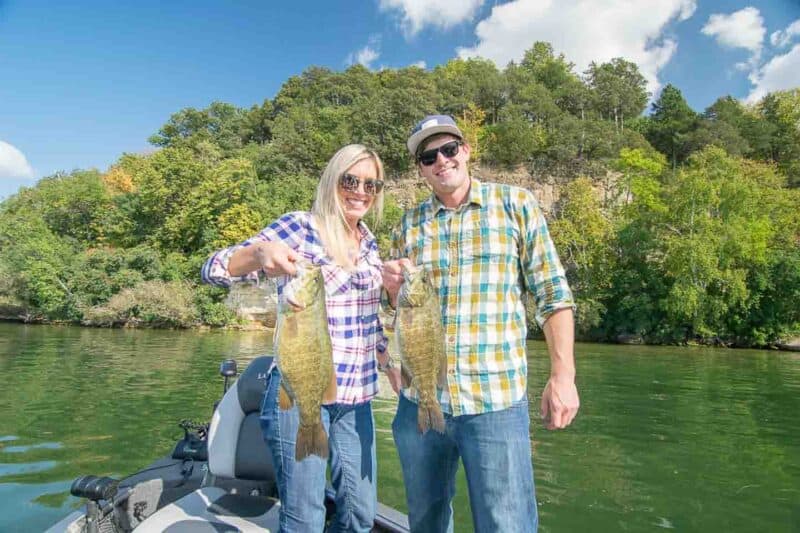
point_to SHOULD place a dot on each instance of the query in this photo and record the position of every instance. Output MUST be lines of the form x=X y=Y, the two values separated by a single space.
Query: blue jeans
x=495 y=449
x=301 y=485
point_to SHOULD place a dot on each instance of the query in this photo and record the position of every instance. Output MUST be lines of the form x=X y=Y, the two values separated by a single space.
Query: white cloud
x=780 y=73
x=741 y=29
x=782 y=38
x=421 y=64
x=368 y=54
x=443 y=14
x=584 y=31
x=13 y=163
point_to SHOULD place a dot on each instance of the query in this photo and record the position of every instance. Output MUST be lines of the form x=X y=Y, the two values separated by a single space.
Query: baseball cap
x=429 y=126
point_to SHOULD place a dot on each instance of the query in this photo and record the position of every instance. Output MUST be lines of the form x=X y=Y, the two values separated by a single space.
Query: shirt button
x=451 y=339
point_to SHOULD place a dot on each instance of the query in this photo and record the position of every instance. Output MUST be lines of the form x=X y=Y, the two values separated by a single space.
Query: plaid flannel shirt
x=352 y=299
x=482 y=256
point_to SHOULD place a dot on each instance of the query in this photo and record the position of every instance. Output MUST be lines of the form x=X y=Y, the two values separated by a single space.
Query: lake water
x=690 y=439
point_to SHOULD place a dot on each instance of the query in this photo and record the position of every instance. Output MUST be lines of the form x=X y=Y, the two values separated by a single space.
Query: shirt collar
x=476 y=196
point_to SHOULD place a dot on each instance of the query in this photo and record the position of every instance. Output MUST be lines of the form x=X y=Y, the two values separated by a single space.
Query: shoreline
x=791 y=344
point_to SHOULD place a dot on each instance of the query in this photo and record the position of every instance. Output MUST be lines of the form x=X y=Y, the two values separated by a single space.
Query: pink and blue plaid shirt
x=352 y=299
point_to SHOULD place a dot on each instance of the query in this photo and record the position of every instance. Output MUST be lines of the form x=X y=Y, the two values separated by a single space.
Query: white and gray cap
x=430 y=126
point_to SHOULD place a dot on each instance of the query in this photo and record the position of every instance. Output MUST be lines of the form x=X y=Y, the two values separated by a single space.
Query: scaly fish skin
x=305 y=358
x=420 y=337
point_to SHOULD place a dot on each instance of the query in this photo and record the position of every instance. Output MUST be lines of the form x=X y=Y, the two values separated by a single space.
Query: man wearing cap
x=484 y=245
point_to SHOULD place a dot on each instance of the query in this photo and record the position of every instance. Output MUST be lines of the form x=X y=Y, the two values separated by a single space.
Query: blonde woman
x=334 y=236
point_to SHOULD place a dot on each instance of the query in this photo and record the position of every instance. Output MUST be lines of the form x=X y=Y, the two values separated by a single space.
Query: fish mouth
x=294 y=304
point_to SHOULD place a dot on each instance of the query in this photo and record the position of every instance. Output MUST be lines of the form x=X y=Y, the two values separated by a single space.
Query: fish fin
x=429 y=415
x=284 y=400
x=329 y=396
x=311 y=440
x=405 y=376
x=436 y=417
x=441 y=377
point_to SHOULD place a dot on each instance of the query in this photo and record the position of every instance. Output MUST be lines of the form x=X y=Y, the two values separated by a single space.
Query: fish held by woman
x=305 y=358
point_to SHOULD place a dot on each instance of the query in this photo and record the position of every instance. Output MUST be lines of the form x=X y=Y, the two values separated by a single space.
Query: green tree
x=671 y=122
x=620 y=90
x=584 y=236
x=782 y=110
x=220 y=123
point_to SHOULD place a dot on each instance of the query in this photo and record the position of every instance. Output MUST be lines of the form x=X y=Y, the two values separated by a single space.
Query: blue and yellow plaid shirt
x=482 y=256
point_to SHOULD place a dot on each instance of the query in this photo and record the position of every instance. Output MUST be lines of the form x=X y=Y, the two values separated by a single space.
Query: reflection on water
x=667 y=438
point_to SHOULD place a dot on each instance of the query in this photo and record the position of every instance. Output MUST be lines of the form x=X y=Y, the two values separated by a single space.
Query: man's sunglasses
x=428 y=157
x=349 y=183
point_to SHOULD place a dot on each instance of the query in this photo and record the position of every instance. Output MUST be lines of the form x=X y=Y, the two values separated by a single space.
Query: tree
x=461 y=83
x=782 y=110
x=670 y=123
x=584 y=236
x=620 y=89
x=220 y=123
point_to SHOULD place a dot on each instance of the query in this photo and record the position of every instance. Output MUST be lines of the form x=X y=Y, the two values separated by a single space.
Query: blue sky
x=83 y=82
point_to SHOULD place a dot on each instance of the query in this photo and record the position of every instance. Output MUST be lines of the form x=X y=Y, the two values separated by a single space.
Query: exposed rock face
x=410 y=188
x=256 y=302
x=792 y=344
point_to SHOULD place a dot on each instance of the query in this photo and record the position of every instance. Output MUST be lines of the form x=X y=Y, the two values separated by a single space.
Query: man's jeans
x=301 y=485
x=496 y=451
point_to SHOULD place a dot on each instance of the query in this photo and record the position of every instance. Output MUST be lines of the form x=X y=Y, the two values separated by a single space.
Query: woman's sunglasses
x=428 y=157
x=349 y=183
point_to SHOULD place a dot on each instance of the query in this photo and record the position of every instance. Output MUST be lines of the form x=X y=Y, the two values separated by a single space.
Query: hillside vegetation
x=678 y=226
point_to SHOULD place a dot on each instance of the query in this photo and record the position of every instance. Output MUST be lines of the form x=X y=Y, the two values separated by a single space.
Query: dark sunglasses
x=428 y=157
x=349 y=183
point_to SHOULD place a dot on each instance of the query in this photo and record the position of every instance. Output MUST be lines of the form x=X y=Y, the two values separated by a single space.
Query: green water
x=675 y=438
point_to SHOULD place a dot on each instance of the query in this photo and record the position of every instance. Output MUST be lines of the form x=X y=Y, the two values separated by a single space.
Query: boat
x=219 y=477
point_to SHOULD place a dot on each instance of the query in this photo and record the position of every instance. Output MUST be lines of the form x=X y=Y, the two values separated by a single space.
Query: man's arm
x=560 y=400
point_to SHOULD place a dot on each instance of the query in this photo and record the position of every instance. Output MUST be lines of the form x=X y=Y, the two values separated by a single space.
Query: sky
x=83 y=82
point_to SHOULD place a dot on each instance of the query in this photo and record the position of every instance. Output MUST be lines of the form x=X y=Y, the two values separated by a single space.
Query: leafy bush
x=151 y=303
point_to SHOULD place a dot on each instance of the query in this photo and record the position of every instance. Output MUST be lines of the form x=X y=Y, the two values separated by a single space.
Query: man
x=484 y=244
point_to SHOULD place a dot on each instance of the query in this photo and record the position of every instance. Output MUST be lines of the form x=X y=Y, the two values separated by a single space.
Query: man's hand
x=276 y=259
x=393 y=277
x=560 y=403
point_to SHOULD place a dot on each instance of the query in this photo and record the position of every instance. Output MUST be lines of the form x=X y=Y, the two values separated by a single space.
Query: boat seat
x=241 y=494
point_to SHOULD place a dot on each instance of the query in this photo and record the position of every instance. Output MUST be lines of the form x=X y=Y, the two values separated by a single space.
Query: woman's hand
x=395 y=380
x=276 y=259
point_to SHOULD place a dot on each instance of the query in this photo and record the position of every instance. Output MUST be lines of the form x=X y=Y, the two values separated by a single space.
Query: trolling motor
x=193 y=445
x=94 y=489
x=227 y=370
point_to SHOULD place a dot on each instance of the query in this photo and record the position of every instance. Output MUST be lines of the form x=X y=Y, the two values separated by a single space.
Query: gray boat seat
x=241 y=493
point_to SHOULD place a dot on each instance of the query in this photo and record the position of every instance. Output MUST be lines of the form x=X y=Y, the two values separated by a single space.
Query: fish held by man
x=305 y=358
x=420 y=338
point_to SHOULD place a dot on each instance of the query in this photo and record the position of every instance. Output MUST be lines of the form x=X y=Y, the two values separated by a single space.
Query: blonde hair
x=327 y=210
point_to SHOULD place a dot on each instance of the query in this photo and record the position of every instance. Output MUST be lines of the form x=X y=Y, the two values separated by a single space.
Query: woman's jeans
x=301 y=485
x=495 y=448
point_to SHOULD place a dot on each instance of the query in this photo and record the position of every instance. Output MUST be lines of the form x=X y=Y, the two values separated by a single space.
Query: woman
x=334 y=236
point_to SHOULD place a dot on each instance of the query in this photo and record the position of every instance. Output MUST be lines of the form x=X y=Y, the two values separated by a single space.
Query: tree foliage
x=677 y=226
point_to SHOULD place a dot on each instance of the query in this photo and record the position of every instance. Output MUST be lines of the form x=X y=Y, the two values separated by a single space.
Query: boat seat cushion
x=236 y=447
x=213 y=509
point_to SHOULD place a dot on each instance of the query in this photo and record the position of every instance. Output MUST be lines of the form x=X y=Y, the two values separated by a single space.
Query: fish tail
x=436 y=416
x=423 y=418
x=429 y=415
x=311 y=439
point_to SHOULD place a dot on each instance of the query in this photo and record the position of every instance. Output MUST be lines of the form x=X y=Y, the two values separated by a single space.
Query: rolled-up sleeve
x=215 y=269
x=288 y=229
x=544 y=276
